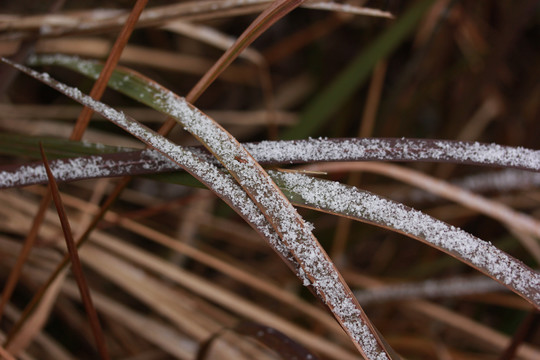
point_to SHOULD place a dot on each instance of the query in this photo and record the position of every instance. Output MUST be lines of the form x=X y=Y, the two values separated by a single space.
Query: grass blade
x=504 y=214
x=112 y=60
x=351 y=78
x=267 y=152
x=360 y=205
x=315 y=268
x=76 y=263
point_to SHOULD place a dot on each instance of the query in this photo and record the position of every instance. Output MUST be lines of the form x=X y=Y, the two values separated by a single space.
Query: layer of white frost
x=305 y=151
x=318 y=270
x=339 y=198
x=297 y=237
x=395 y=149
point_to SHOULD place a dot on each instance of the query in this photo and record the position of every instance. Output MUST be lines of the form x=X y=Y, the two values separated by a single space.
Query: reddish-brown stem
x=76 y=262
x=77 y=133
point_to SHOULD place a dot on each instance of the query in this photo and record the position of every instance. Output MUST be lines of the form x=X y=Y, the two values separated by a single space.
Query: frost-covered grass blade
x=359 y=205
x=314 y=266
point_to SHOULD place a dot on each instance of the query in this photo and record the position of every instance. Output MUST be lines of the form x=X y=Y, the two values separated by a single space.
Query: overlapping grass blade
x=297 y=244
x=131 y=162
x=394 y=216
x=345 y=200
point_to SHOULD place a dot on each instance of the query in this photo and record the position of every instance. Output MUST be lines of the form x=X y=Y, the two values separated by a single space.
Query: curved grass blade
x=131 y=162
x=273 y=174
x=504 y=214
x=91 y=21
x=314 y=266
x=348 y=201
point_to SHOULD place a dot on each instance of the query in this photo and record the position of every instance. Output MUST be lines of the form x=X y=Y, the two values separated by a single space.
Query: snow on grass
x=318 y=269
x=342 y=199
x=351 y=149
x=297 y=236
x=336 y=149
x=304 y=151
x=87 y=167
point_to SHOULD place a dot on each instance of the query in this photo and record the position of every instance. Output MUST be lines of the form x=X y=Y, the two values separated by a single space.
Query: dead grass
x=174 y=273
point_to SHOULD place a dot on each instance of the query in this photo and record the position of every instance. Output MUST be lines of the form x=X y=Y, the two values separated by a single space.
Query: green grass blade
x=327 y=102
x=314 y=266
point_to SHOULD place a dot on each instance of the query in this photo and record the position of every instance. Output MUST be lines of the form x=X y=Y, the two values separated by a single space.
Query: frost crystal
x=350 y=201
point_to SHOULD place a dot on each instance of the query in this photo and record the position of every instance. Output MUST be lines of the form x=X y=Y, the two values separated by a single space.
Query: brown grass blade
x=287 y=348
x=506 y=215
x=316 y=269
x=112 y=60
x=337 y=198
x=5 y=354
x=76 y=134
x=76 y=263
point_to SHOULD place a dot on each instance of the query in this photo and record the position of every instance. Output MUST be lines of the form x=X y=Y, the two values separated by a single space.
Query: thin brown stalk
x=5 y=354
x=29 y=241
x=112 y=60
x=76 y=263
x=31 y=306
x=77 y=133
x=525 y=328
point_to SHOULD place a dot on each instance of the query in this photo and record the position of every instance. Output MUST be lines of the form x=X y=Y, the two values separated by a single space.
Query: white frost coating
x=83 y=168
x=296 y=235
x=428 y=289
x=77 y=168
x=335 y=150
x=321 y=272
x=340 y=198
x=492 y=153
x=223 y=184
x=327 y=150
x=323 y=149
